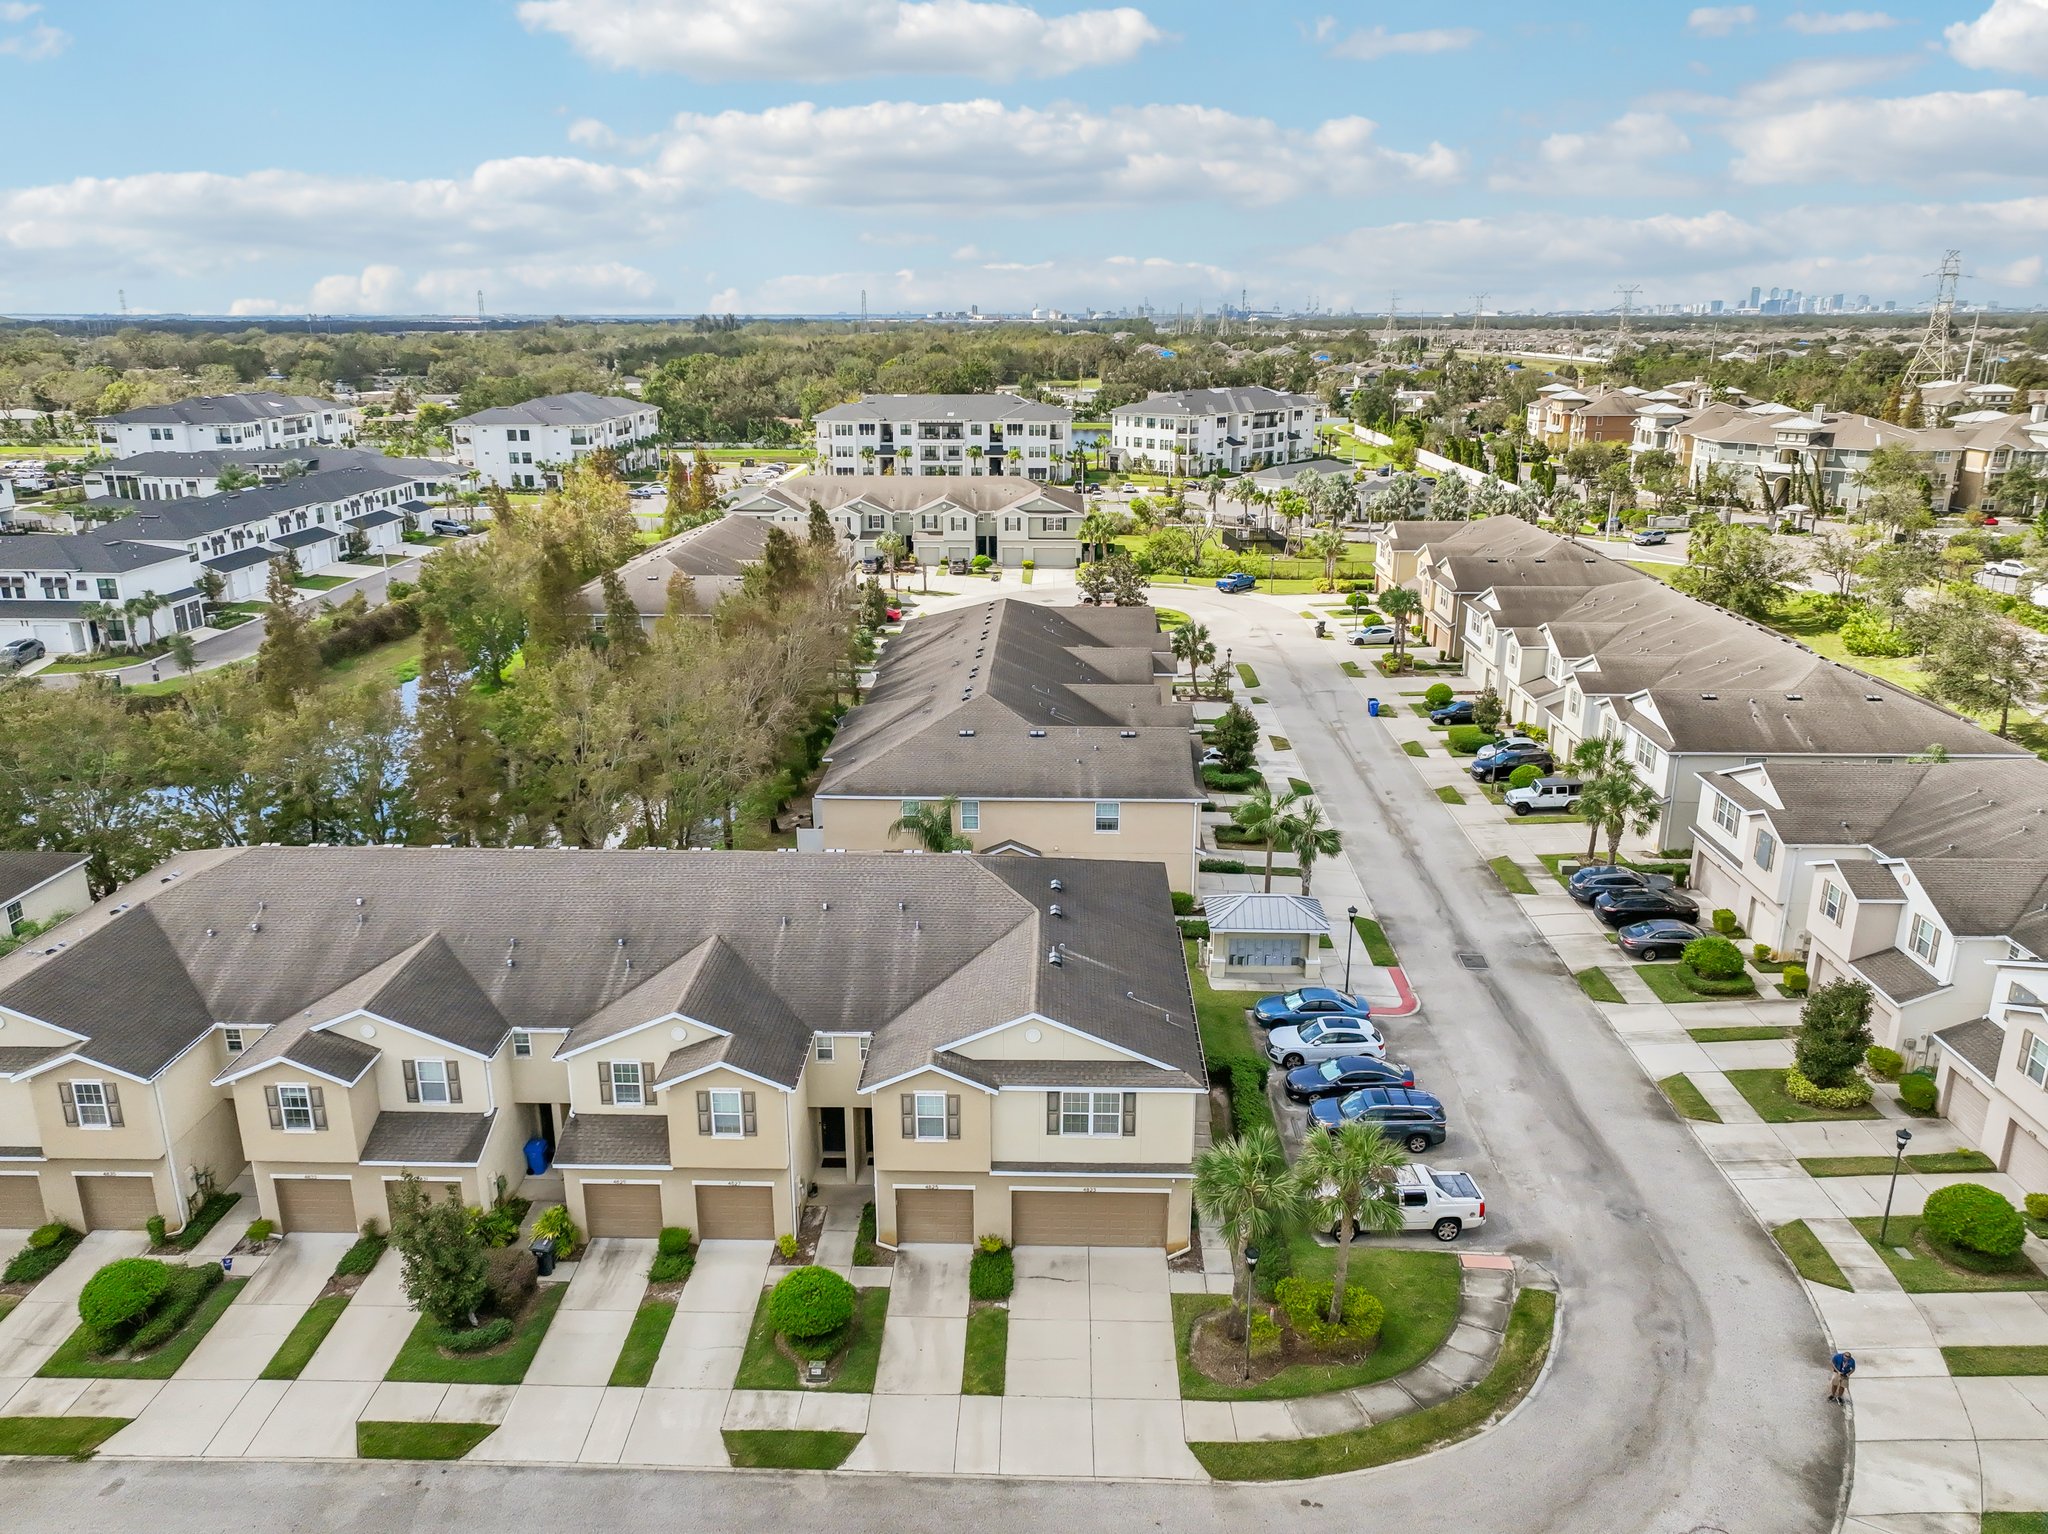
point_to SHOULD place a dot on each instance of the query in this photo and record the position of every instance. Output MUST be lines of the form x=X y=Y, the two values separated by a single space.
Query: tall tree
x=1244 y=1189
x=288 y=660
x=1347 y=1176
x=1736 y=566
x=1304 y=832
x=1981 y=663
x=624 y=640
x=453 y=765
x=1399 y=604
x=1262 y=813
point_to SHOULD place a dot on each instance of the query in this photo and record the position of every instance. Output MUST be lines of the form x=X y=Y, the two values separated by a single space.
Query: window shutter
x=747 y=1123
x=1130 y=1113
x=647 y=1081
x=276 y=1112
x=909 y=1116
x=412 y=1081
x=70 y=1105
x=1052 y=1113
x=454 y=1082
x=703 y=1113
x=604 y=1081
x=952 y=1115
x=316 y=1097
x=114 y=1119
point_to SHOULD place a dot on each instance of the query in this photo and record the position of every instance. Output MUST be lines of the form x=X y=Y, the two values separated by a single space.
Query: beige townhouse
x=995 y=1045
x=1992 y=1074
x=706 y=563
x=1054 y=728
x=939 y=518
x=39 y=887
x=1463 y=559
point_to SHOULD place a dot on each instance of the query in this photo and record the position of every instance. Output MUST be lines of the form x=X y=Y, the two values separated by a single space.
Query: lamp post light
x=1350 y=933
x=1884 y=1226
x=1251 y=1263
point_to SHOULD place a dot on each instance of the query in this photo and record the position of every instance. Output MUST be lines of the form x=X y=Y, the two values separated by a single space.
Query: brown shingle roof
x=614 y=1140
x=427 y=1138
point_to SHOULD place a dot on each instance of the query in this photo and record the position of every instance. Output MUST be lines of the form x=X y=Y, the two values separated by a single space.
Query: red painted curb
x=1409 y=1004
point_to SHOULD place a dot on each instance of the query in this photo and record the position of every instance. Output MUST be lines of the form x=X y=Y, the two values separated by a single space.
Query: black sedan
x=1589 y=883
x=1335 y=1078
x=1502 y=763
x=1662 y=938
x=1459 y=712
x=1625 y=907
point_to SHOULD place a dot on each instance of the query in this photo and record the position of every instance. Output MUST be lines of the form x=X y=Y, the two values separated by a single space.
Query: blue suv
x=1410 y=1118
x=1310 y=1004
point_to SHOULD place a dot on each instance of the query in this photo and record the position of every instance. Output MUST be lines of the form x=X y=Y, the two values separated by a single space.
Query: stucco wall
x=1150 y=830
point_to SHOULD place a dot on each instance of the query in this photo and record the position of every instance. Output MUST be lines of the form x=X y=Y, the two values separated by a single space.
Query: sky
x=782 y=156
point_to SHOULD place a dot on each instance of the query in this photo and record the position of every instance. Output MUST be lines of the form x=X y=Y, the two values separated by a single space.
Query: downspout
x=163 y=1127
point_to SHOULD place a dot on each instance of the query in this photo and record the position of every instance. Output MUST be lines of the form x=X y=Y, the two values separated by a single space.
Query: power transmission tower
x=1628 y=301
x=1935 y=359
x=122 y=295
x=479 y=306
x=1478 y=308
x=1387 y=338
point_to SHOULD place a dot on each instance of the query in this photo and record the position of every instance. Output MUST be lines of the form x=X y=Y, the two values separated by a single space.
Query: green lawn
x=643 y=1343
x=986 y=1367
x=321 y=582
x=1521 y=1359
x=1878 y=1166
x=1598 y=984
x=1450 y=795
x=1664 y=980
x=1736 y=1035
x=1808 y=1256
x=1765 y=1091
x=420 y=1440
x=1920 y=1270
x=299 y=1346
x=394 y=662
x=71 y=1437
x=1686 y=1098
x=73 y=1358
x=1246 y=675
x=764 y=1366
x=420 y=1360
x=1377 y=948
x=1505 y=869
x=1352 y=668
x=1996 y=1360
x=2013 y=1523
x=766 y=1449
x=1415 y=748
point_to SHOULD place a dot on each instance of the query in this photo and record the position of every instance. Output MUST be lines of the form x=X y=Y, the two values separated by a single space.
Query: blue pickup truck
x=1236 y=581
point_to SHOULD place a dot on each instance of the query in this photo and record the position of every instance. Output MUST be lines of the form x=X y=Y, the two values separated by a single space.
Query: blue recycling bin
x=1372 y=708
x=536 y=1155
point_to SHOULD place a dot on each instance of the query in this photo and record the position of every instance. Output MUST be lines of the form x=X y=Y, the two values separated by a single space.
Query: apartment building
x=38 y=887
x=1001 y=1045
x=1562 y=418
x=526 y=446
x=969 y=435
x=1767 y=444
x=1197 y=431
x=1991 y=449
x=1992 y=1071
x=711 y=562
x=1455 y=561
x=170 y=476
x=253 y=422
x=939 y=520
x=1055 y=729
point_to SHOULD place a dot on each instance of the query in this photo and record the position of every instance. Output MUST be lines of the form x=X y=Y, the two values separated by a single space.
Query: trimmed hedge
x=1713 y=958
x=1222 y=865
x=1248 y=1106
x=673 y=1241
x=991 y=1275
x=1194 y=926
x=186 y=1292
x=1975 y=1218
x=1794 y=979
x=115 y=1299
x=1704 y=985
x=1306 y=1304
x=1183 y=902
x=1524 y=775
x=810 y=1303
x=47 y=1248
x=1918 y=1092
x=1855 y=1095
x=1231 y=782
x=1466 y=739
x=2037 y=1206
x=1885 y=1064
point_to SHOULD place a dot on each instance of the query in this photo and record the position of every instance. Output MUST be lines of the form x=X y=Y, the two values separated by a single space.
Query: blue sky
x=621 y=156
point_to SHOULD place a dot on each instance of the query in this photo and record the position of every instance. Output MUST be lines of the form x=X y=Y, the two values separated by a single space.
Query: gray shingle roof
x=242 y=559
x=306 y=537
x=17 y=1058
x=1234 y=401
x=1870 y=881
x=23 y=871
x=1059 y=1073
x=209 y=409
x=207 y=463
x=1977 y=1043
x=124 y=988
x=427 y=1137
x=93 y=551
x=943 y=407
x=613 y=1140
x=332 y=1054
x=714 y=556
x=578 y=408
x=1893 y=971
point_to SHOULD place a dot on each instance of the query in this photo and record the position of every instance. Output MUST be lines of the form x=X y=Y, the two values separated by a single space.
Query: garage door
x=437 y=1191
x=622 y=1208
x=1967 y=1105
x=21 y=1202
x=2026 y=1160
x=315 y=1203
x=735 y=1214
x=935 y=1214
x=1088 y=1219
x=117 y=1203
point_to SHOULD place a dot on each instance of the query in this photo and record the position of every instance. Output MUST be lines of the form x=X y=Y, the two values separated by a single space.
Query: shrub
x=1265 y=1335
x=1248 y=1106
x=1223 y=782
x=1854 y=1094
x=1183 y=903
x=349 y=634
x=673 y=1241
x=1834 y=1030
x=1794 y=979
x=44 y=1237
x=1306 y=1303
x=556 y=1223
x=512 y=1277
x=496 y=1227
x=982 y=562
x=811 y=1303
x=1761 y=953
x=33 y=1263
x=259 y=1231
x=360 y=1258
x=1724 y=922
x=1705 y=985
x=2037 y=1206
x=1222 y=865
x=159 y=1233
x=992 y=1244
x=671 y=1267
x=474 y=1339
x=1194 y=926
x=1466 y=739
x=1713 y=958
x=118 y=1296
x=1524 y=775
x=1918 y=1092
x=1884 y=1064
x=186 y=1291
x=785 y=1247
x=991 y=1275
x=1975 y=1218
x=1867 y=632
x=1439 y=694
x=1031 y=564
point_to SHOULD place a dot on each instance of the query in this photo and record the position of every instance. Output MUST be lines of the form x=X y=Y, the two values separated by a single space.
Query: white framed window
x=2035 y=1063
x=1109 y=817
x=433 y=1079
x=1766 y=850
x=1091 y=1113
x=522 y=1045
x=826 y=1050
x=1925 y=939
x=910 y=808
x=1831 y=901
x=929 y=1109
x=295 y=1104
x=232 y=1039
x=970 y=814
x=1726 y=816
x=728 y=1120
x=1646 y=758
x=91 y=1100
x=626 y=1085
x=863 y=1048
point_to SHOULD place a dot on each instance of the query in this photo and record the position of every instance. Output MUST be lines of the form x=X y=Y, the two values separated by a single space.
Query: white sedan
x=1313 y=1043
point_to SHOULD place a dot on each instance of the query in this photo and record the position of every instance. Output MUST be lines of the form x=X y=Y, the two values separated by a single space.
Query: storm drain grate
x=1472 y=960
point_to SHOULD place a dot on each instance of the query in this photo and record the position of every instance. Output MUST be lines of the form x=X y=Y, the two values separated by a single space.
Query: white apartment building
x=170 y=476
x=246 y=422
x=525 y=446
x=1198 y=430
x=1008 y=520
x=971 y=435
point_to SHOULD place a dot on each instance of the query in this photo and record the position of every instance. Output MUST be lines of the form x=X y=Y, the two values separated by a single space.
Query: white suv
x=1546 y=795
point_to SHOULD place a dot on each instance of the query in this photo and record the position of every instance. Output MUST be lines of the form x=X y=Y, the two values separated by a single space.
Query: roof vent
x=1871 y=697
x=1128 y=734
x=1055 y=911
x=1053 y=957
x=1795 y=697
x=1710 y=697
x=1036 y=734
x=824 y=905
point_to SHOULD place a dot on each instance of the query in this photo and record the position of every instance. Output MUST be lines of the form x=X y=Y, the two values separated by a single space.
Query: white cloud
x=1378 y=43
x=256 y=306
x=1074 y=284
x=2011 y=36
x=1938 y=139
x=381 y=288
x=1614 y=161
x=589 y=133
x=986 y=156
x=1720 y=20
x=840 y=39
x=39 y=41
x=376 y=289
x=1828 y=23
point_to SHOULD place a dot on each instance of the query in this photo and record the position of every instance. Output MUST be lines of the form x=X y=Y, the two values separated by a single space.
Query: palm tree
x=1347 y=1174
x=144 y=609
x=1594 y=761
x=892 y=547
x=867 y=459
x=1097 y=528
x=1404 y=499
x=1191 y=643
x=1308 y=836
x=102 y=614
x=1260 y=815
x=1399 y=604
x=1244 y=1190
x=931 y=826
x=1617 y=803
x=234 y=476
x=974 y=454
x=1328 y=546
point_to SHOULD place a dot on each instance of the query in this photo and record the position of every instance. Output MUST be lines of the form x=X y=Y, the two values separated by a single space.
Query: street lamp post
x=1884 y=1226
x=1350 y=933
x=1251 y=1263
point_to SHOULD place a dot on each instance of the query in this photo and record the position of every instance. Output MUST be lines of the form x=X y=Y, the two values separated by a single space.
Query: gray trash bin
x=544 y=1256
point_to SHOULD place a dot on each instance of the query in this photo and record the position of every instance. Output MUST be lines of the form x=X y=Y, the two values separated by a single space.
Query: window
x=1646 y=754
x=232 y=1040
x=1725 y=814
x=728 y=1121
x=110 y=591
x=1108 y=817
x=970 y=814
x=1926 y=939
x=626 y=1092
x=90 y=1097
x=433 y=1080
x=909 y=811
x=863 y=1048
x=522 y=1045
x=295 y=1104
x=1766 y=850
x=826 y=1049
x=1091 y=1113
x=1831 y=901
x=929 y=1112
x=13 y=916
x=2035 y=1062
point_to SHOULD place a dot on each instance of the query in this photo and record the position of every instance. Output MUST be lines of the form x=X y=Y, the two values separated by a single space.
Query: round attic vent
x=1032 y=1035
x=679 y=1034
x=367 y=1031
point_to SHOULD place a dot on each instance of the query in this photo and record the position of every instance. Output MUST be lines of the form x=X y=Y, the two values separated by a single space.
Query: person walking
x=1844 y=1364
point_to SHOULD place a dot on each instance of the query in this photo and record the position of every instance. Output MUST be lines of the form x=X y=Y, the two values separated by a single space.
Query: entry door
x=985 y=543
x=831 y=1137
x=867 y=1136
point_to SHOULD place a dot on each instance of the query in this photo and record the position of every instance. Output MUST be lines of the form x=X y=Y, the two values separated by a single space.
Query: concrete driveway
x=267 y=1309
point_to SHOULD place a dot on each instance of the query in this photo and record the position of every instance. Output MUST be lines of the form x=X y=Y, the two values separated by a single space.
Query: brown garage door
x=935 y=1214
x=622 y=1208
x=735 y=1214
x=315 y=1203
x=21 y=1202
x=437 y=1191
x=1088 y=1219
x=117 y=1203
x=1967 y=1105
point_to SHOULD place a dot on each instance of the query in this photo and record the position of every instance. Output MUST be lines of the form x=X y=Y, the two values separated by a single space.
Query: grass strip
x=643 y=1343
x=303 y=1341
x=73 y=1358
x=420 y=1440
x=1281 y=742
x=1450 y=795
x=764 y=1366
x=1352 y=668
x=421 y=1361
x=1414 y=748
x=1808 y=1256
x=2013 y=1523
x=1922 y=1269
x=1996 y=1360
x=1598 y=984
x=209 y=1215
x=1522 y=1352
x=1764 y=1090
x=985 y=1370
x=1736 y=1035
x=1687 y=1099
x=1246 y=675
x=1878 y=1166
x=770 y=1449
x=1664 y=981
x=69 y=1437
x=1377 y=948
x=1505 y=869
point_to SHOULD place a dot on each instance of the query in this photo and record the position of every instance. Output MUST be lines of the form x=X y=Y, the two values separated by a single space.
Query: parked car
x=1550 y=796
x=1595 y=879
x=1340 y=1078
x=1505 y=743
x=1627 y=906
x=644 y=492
x=1237 y=580
x=16 y=653
x=1410 y=1118
x=1649 y=537
x=1313 y=1043
x=1660 y=938
x=1373 y=633
x=1443 y=1203
x=1459 y=712
x=1502 y=763
x=1307 y=1005
x=450 y=529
